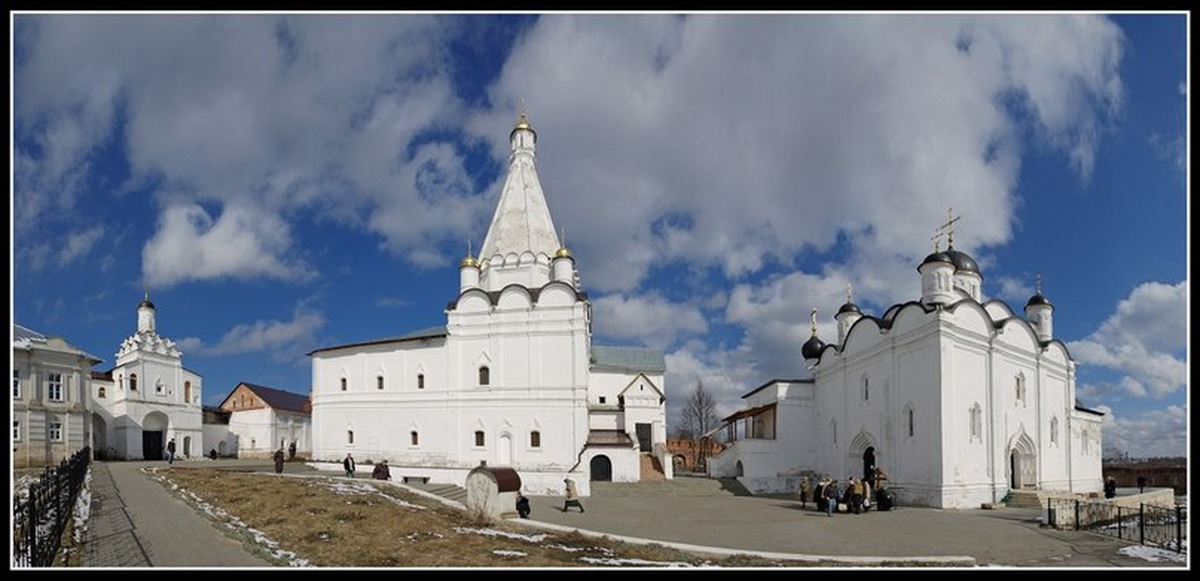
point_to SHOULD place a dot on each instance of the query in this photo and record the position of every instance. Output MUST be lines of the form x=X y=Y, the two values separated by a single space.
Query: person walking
x=803 y=492
x=830 y=495
x=1110 y=487
x=381 y=471
x=1141 y=484
x=171 y=451
x=572 y=496
x=278 y=457
x=348 y=464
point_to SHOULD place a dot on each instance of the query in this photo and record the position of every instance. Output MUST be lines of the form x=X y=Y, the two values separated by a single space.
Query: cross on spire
x=814 y=321
x=849 y=292
x=948 y=227
x=1039 y=284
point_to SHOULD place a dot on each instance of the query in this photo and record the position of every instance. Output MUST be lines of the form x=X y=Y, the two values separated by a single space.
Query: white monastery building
x=51 y=406
x=957 y=399
x=511 y=380
x=147 y=399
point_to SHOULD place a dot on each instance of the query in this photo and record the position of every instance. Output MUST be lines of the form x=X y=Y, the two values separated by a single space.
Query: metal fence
x=41 y=514
x=1145 y=524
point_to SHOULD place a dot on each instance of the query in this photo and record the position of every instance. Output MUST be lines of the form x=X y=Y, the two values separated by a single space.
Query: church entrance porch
x=152 y=445
x=1022 y=465
x=601 y=468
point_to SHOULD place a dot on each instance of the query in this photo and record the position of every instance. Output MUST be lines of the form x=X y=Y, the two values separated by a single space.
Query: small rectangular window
x=54 y=433
x=16 y=384
x=479 y=438
x=535 y=439
x=16 y=431
x=415 y=438
x=343 y=384
x=350 y=436
x=379 y=381
x=420 y=381
x=54 y=385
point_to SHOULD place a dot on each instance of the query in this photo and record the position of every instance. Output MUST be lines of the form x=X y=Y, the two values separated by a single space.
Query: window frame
x=54 y=386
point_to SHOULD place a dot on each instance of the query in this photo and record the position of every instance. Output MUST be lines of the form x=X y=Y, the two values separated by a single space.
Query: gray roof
x=24 y=335
x=641 y=359
x=427 y=333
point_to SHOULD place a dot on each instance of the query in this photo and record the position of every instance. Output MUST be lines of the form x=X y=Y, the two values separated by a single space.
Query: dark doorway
x=869 y=464
x=152 y=445
x=601 y=468
x=1012 y=469
x=643 y=435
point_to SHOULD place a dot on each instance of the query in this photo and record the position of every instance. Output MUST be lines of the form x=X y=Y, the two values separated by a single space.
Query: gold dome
x=563 y=253
x=468 y=260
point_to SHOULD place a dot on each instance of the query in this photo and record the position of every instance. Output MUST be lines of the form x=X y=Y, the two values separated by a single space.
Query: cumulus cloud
x=1156 y=433
x=79 y=244
x=244 y=242
x=271 y=336
x=654 y=320
x=866 y=142
x=1145 y=339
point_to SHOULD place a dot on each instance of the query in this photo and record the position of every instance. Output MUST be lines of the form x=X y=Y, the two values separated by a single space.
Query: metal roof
x=629 y=359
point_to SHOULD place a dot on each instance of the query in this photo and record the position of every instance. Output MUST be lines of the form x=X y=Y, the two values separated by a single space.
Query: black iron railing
x=1144 y=524
x=41 y=513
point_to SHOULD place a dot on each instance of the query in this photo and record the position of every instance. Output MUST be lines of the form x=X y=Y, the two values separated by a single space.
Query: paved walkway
x=135 y=522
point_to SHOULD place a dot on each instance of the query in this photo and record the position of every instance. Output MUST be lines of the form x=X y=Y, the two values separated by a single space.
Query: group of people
x=380 y=472
x=856 y=495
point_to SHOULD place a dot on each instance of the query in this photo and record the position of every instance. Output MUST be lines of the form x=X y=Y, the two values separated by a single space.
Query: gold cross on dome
x=948 y=227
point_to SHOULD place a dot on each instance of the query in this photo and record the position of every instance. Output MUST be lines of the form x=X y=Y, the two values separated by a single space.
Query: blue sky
x=285 y=182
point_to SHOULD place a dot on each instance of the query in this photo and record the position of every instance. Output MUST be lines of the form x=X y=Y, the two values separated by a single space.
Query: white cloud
x=79 y=244
x=244 y=242
x=867 y=140
x=1155 y=433
x=261 y=336
x=1145 y=339
x=651 y=318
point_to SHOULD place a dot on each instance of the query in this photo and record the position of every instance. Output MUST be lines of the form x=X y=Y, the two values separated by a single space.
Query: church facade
x=512 y=379
x=957 y=399
x=147 y=399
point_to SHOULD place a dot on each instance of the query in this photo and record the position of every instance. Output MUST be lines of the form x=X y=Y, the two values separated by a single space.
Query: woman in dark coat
x=278 y=457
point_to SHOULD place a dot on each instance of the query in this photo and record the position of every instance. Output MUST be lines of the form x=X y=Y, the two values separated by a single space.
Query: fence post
x=1076 y=514
x=1178 y=529
x=1141 y=523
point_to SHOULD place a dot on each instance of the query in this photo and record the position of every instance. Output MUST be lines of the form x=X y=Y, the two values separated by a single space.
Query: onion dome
x=1038 y=299
x=962 y=261
x=468 y=260
x=146 y=302
x=563 y=253
x=523 y=123
x=937 y=256
x=812 y=348
x=849 y=307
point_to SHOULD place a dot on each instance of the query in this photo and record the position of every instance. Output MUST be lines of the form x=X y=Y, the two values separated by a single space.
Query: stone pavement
x=136 y=522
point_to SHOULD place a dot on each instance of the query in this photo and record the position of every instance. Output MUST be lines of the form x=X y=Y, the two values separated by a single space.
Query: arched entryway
x=601 y=469
x=868 y=461
x=1022 y=463
x=154 y=436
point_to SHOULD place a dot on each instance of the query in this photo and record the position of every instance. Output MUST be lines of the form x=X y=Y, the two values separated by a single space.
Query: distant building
x=959 y=400
x=264 y=419
x=691 y=455
x=512 y=378
x=51 y=405
x=147 y=399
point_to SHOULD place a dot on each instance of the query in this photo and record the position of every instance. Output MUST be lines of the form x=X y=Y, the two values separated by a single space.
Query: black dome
x=963 y=261
x=1038 y=299
x=936 y=257
x=849 y=307
x=812 y=348
x=146 y=303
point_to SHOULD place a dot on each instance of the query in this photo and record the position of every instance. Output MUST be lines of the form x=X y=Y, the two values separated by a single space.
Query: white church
x=147 y=399
x=959 y=400
x=512 y=379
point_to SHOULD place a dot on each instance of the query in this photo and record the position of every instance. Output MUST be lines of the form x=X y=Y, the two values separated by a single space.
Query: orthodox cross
x=814 y=321
x=849 y=292
x=1039 y=284
x=948 y=227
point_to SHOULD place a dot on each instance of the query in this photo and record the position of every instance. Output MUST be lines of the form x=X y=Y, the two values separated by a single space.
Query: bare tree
x=699 y=417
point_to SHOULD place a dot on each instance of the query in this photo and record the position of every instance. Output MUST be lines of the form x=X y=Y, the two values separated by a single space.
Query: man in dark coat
x=278 y=457
x=381 y=471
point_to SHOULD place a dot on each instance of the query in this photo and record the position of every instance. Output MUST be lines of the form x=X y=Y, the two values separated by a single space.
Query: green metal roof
x=641 y=359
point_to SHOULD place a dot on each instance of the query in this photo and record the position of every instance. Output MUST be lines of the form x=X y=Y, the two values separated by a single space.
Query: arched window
x=100 y=393
x=132 y=382
x=485 y=376
x=976 y=421
x=535 y=439
x=343 y=384
x=187 y=392
x=416 y=440
x=1020 y=387
x=866 y=388
x=420 y=381
x=158 y=386
x=379 y=381
x=479 y=437
x=1054 y=430
x=911 y=423
x=349 y=436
